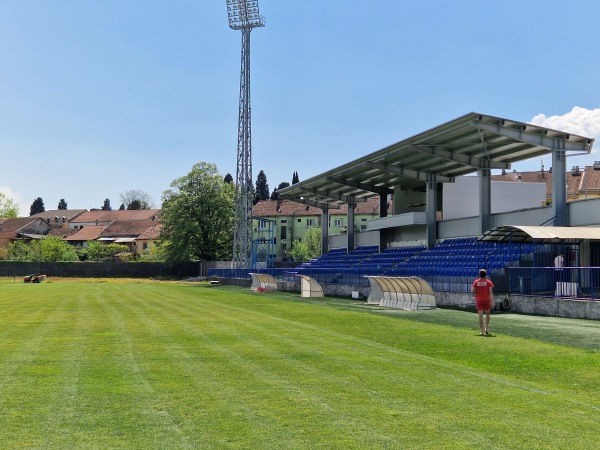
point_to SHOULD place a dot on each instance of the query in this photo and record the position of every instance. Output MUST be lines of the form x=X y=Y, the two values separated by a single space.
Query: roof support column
x=485 y=200
x=383 y=233
x=325 y=230
x=383 y=205
x=350 y=220
x=559 y=188
x=431 y=214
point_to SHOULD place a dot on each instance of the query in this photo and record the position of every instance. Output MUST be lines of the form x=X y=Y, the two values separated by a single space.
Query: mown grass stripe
x=180 y=366
x=255 y=349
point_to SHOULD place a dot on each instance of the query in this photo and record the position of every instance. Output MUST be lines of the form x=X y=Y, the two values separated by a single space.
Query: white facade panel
x=461 y=198
x=585 y=213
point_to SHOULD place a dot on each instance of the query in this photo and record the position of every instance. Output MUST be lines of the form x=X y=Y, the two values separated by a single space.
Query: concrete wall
x=361 y=239
x=555 y=307
x=544 y=306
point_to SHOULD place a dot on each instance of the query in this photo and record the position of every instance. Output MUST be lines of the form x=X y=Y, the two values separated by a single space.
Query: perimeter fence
x=563 y=282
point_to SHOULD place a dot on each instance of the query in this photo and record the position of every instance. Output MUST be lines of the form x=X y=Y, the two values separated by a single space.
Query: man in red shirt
x=484 y=295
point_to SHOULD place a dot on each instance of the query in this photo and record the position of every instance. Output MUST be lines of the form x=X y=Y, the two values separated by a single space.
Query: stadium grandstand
x=443 y=215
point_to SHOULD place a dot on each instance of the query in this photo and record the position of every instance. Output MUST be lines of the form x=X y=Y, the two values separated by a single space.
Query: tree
x=50 y=248
x=154 y=254
x=53 y=248
x=62 y=205
x=135 y=205
x=197 y=216
x=106 y=206
x=37 y=206
x=97 y=251
x=309 y=248
x=295 y=178
x=275 y=194
x=261 y=192
x=144 y=200
x=228 y=178
x=122 y=207
x=8 y=208
x=21 y=251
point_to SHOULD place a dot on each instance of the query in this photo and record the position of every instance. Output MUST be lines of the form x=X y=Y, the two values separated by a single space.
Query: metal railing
x=563 y=282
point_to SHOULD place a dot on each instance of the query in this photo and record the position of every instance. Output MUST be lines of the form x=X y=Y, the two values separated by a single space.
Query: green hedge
x=100 y=269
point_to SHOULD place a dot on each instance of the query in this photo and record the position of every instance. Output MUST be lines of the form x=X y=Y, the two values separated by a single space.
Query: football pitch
x=151 y=365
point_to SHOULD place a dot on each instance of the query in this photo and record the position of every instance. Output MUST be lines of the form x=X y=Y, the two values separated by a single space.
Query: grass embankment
x=172 y=365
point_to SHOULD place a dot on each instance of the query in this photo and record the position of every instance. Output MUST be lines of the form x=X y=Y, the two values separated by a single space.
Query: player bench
x=401 y=292
x=263 y=282
x=309 y=287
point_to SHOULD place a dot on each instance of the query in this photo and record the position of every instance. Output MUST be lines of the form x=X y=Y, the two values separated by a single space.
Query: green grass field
x=143 y=365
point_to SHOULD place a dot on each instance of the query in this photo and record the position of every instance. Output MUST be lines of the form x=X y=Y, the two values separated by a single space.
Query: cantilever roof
x=567 y=235
x=459 y=147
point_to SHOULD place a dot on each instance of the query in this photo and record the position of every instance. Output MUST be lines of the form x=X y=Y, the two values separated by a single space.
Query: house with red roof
x=22 y=228
x=292 y=220
x=127 y=232
x=101 y=217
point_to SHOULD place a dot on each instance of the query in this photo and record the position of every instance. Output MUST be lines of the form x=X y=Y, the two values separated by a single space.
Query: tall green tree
x=62 y=205
x=310 y=247
x=275 y=194
x=261 y=191
x=37 y=206
x=295 y=178
x=8 y=208
x=106 y=206
x=197 y=216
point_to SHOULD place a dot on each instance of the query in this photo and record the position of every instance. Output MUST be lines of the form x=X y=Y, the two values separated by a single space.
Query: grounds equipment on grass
x=32 y=278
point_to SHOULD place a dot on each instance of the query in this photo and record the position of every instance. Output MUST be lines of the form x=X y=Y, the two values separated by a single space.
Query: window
x=283 y=220
x=283 y=232
x=338 y=222
x=310 y=223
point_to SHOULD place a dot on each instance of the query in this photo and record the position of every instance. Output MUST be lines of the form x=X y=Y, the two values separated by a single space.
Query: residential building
x=82 y=236
x=148 y=239
x=59 y=217
x=23 y=228
x=126 y=232
x=101 y=217
x=292 y=220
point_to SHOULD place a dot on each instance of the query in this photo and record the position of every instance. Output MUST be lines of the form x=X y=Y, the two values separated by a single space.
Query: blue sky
x=99 y=97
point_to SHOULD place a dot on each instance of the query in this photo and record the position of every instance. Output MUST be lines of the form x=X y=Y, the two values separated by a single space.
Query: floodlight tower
x=244 y=15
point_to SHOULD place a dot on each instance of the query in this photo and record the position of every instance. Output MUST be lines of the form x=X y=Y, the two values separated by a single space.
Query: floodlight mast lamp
x=244 y=15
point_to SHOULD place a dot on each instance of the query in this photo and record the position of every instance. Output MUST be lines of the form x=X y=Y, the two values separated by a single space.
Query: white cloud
x=580 y=121
x=16 y=197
